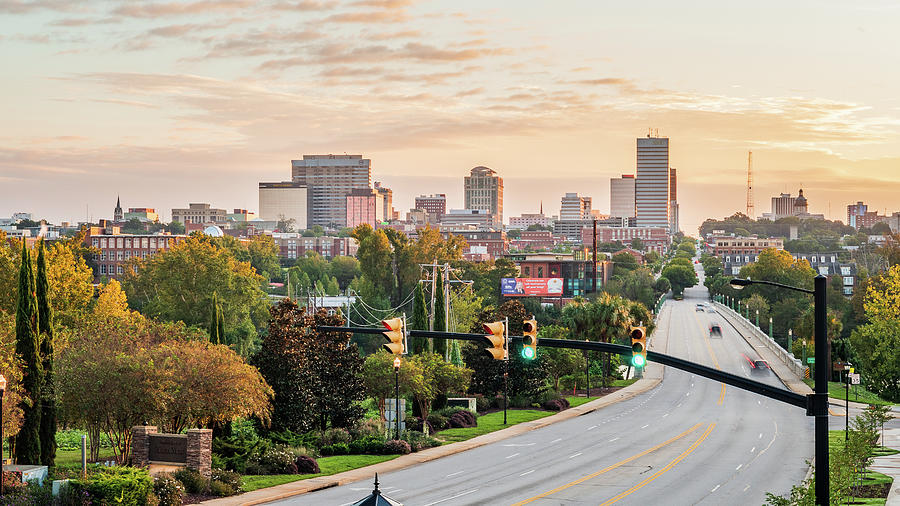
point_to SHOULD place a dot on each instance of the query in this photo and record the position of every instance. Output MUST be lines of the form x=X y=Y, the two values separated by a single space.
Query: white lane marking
x=738 y=468
x=679 y=404
x=760 y=436
x=527 y=472
x=645 y=426
x=747 y=487
x=556 y=440
x=613 y=439
x=454 y=474
x=759 y=402
x=592 y=427
x=687 y=394
x=714 y=489
x=753 y=449
x=513 y=455
x=665 y=415
x=523 y=444
x=467 y=492
x=573 y=456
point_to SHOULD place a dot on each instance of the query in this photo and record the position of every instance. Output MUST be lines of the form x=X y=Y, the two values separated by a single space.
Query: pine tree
x=419 y=320
x=456 y=354
x=214 y=336
x=45 y=322
x=440 y=317
x=28 y=442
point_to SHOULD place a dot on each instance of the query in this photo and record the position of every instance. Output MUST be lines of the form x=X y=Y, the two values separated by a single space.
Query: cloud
x=305 y=5
x=75 y=22
x=260 y=42
x=25 y=6
x=154 y=10
x=404 y=34
x=117 y=101
x=384 y=4
x=368 y=17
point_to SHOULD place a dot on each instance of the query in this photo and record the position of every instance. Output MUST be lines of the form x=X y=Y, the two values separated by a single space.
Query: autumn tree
x=12 y=371
x=876 y=343
x=439 y=377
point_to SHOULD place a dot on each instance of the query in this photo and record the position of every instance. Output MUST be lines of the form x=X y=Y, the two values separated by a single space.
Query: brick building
x=116 y=249
x=293 y=245
x=653 y=238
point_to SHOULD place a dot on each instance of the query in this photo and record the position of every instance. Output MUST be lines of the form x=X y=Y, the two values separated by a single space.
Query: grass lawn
x=328 y=466
x=578 y=401
x=857 y=393
x=623 y=383
x=67 y=457
x=491 y=422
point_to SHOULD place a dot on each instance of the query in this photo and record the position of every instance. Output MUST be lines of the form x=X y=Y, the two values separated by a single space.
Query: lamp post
x=2 y=394
x=757 y=318
x=819 y=404
x=803 y=352
x=397 y=398
x=770 y=328
x=791 y=341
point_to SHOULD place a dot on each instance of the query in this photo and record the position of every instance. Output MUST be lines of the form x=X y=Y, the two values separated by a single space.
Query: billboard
x=524 y=287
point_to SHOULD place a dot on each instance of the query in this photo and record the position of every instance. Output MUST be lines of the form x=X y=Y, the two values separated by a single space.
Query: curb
x=299 y=487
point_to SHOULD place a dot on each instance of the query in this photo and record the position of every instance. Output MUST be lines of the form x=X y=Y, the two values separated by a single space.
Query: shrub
x=229 y=478
x=219 y=489
x=326 y=451
x=438 y=422
x=275 y=459
x=553 y=405
x=463 y=418
x=128 y=486
x=482 y=404
x=357 y=447
x=367 y=427
x=168 y=490
x=307 y=465
x=335 y=435
x=193 y=481
x=439 y=402
x=396 y=446
x=520 y=401
x=419 y=441
x=340 y=449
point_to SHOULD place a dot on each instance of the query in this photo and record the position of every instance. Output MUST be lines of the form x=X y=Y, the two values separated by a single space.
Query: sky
x=165 y=103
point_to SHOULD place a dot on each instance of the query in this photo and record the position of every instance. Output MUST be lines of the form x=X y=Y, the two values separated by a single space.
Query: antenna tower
x=750 y=184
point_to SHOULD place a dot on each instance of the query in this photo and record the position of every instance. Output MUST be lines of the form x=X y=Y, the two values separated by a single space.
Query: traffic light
x=497 y=339
x=638 y=346
x=396 y=335
x=529 y=341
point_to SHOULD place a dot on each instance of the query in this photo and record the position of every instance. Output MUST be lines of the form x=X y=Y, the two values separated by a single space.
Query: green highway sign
x=811 y=360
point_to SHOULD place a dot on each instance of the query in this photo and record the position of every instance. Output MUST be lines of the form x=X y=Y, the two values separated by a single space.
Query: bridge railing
x=749 y=329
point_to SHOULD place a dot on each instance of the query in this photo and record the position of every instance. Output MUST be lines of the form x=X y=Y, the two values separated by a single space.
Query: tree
x=214 y=336
x=175 y=227
x=48 y=395
x=344 y=269
x=285 y=224
x=756 y=303
x=28 y=443
x=637 y=244
x=378 y=377
x=662 y=285
x=12 y=370
x=440 y=316
x=331 y=287
x=439 y=378
x=624 y=262
x=316 y=376
x=375 y=260
x=175 y=285
x=680 y=277
x=419 y=320
x=883 y=296
x=264 y=256
x=559 y=361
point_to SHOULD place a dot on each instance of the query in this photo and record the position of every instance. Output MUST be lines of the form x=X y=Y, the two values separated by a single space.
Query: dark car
x=761 y=366
x=715 y=330
x=699 y=308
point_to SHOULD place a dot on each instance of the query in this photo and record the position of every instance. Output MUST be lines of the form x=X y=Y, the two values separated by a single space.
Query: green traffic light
x=638 y=361
x=528 y=353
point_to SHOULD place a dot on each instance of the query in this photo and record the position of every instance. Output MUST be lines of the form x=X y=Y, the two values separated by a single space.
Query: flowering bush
x=396 y=446
x=168 y=490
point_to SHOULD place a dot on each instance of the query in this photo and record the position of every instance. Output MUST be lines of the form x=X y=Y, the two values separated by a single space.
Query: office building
x=528 y=219
x=240 y=215
x=652 y=238
x=285 y=200
x=483 y=190
x=621 y=196
x=673 y=203
x=736 y=252
x=329 y=178
x=117 y=249
x=361 y=207
x=464 y=217
x=434 y=205
x=142 y=214
x=294 y=245
x=384 y=204
x=199 y=214
x=575 y=207
x=651 y=187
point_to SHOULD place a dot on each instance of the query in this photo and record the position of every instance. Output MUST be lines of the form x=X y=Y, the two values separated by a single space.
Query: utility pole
x=594 y=269
x=446 y=275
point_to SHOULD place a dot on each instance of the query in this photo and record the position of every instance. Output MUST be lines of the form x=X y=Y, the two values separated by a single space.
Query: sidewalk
x=890 y=465
x=653 y=375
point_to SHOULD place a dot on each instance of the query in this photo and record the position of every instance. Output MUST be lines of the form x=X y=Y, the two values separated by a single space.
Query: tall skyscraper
x=651 y=187
x=621 y=196
x=330 y=178
x=575 y=207
x=483 y=190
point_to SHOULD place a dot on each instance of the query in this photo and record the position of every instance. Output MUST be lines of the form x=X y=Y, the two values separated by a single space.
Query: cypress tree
x=220 y=324
x=214 y=336
x=45 y=322
x=28 y=442
x=419 y=320
x=456 y=354
x=440 y=317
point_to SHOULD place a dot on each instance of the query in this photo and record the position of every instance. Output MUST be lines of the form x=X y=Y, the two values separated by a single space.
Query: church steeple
x=118 y=215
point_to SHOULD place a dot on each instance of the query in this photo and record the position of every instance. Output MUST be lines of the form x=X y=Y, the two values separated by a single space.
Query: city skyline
x=167 y=103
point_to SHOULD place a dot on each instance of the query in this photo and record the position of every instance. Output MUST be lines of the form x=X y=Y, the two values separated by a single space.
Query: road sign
x=390 y=409
x=854 y=379
x=810 y=360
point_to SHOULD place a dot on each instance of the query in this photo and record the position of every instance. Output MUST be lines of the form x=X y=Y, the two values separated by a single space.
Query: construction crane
x=750 y=211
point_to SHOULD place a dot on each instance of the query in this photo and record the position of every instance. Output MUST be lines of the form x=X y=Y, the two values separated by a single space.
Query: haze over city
x=165 y=103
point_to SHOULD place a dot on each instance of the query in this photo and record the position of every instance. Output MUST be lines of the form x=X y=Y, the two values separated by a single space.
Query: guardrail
x=793 y=363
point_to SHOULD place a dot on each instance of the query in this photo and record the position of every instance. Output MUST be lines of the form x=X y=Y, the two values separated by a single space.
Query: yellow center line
x=662 y=471
x=610 y=468
x=712 y=354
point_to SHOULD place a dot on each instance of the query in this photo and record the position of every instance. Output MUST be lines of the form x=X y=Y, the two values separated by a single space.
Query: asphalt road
x=688 y=441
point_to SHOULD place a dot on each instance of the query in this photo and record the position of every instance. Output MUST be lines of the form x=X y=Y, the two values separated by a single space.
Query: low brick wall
x=140 y=444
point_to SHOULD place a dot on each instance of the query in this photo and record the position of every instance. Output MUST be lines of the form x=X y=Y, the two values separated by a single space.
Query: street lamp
x=757 y=318
x=819 y=404
x=770 y=328
x=397 y=398
x=791 y=341
x=2 y=394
